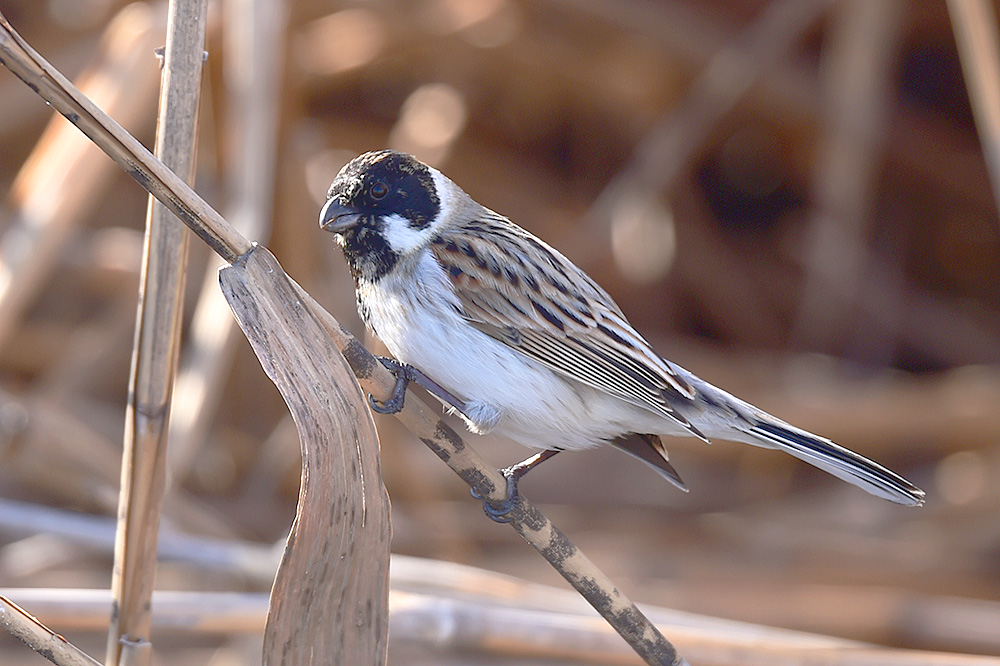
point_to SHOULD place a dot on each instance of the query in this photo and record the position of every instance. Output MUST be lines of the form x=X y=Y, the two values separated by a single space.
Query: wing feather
x=520 y=291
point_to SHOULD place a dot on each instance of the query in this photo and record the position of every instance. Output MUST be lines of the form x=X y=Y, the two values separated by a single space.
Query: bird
x=519 y=341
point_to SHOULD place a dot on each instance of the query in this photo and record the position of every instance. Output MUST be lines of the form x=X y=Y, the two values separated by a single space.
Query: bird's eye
x=379 y=190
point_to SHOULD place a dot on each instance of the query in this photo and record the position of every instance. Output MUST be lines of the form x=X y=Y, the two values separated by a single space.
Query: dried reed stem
x=330 y=600
x=40 y=638
x=975 y=26
x=254 y=32
x=156 y=345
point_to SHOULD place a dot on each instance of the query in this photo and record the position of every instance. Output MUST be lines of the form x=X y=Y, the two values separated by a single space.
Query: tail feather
x=836 y=460
x=650 y=450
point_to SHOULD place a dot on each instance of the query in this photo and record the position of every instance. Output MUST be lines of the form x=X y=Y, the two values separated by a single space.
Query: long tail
x=720 y=414
x=838 y=461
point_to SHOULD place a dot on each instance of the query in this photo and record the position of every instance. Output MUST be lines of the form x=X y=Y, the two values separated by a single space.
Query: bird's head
x=385 y=206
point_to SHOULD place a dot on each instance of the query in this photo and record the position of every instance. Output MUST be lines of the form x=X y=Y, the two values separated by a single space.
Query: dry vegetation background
x=789 y=198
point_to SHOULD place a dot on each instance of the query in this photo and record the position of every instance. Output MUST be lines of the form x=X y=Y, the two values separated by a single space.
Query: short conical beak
x=336 y=217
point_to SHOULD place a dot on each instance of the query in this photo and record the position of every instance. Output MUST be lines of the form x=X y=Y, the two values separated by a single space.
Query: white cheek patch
x=403 y=238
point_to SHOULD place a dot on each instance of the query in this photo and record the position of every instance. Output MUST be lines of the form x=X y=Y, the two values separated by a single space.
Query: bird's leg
x=513 y=474
x=405 y=374
x=437 y=390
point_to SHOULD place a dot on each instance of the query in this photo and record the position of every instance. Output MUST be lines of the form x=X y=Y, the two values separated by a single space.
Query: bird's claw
x=499 y=512
x=404 y=376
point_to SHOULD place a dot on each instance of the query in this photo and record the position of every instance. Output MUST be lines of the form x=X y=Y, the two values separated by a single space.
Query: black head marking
x=377 y=185
x=367 y=250
x=387 y=182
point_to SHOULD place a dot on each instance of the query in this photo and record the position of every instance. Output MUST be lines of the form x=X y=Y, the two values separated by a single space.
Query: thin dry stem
x=40 y=638
x=255 y=32
x=975 y=26
x=156 y=345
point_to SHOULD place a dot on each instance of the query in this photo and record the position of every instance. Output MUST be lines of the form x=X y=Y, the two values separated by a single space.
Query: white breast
x=414 y=314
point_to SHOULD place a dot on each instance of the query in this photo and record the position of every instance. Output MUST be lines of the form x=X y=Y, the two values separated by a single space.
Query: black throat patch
x=367 y=251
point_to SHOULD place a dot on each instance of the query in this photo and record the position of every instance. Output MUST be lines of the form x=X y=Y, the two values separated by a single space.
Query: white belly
x=507 y=392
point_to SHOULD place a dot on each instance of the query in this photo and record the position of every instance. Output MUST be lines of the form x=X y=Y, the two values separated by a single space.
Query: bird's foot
x=404 y=374
x=500 y=511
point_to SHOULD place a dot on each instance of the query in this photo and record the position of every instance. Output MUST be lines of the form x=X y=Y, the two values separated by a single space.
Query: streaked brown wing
x=525 y=294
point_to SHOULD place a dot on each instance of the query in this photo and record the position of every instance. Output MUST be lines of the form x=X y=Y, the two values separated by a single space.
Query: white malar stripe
x=403 y=238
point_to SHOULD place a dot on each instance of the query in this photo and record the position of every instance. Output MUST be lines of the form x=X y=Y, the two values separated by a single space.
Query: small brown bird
x=521 y=342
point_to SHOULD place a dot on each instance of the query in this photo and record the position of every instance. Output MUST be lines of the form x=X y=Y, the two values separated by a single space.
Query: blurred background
x=788 y=198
